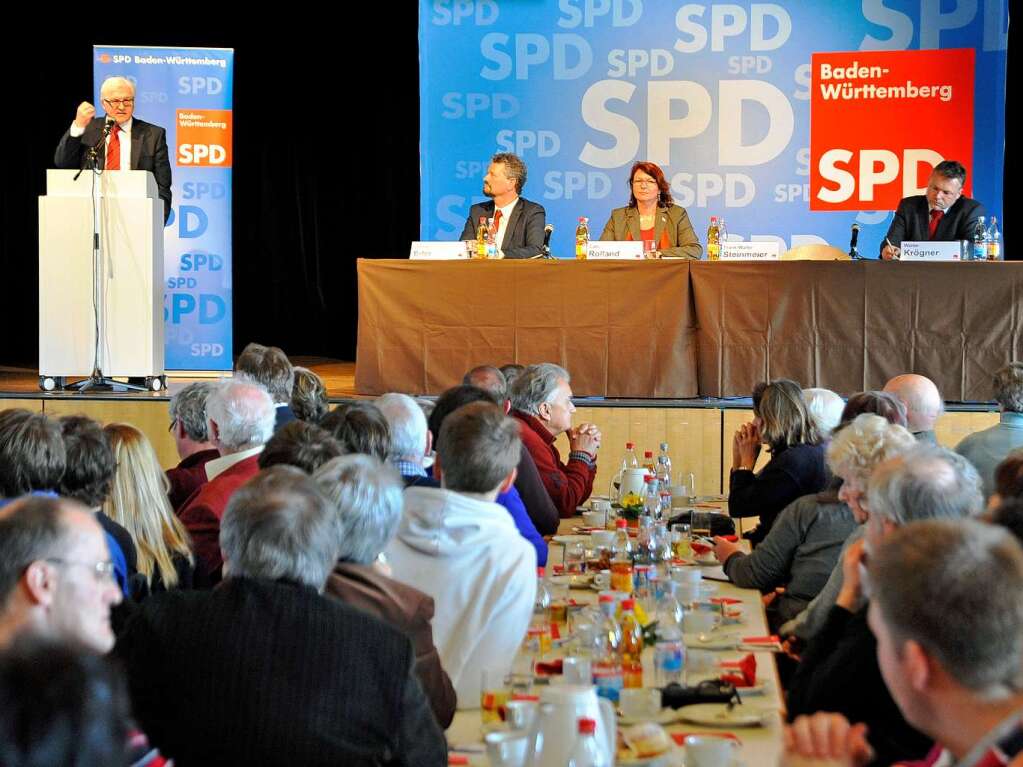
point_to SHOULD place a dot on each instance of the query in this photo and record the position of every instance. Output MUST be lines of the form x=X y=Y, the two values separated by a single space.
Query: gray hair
x=825 y=406
x=488 y=378
x=116 y=80
x=926 y=482
x=1008 y=385
x=243 y=412
x=407 y=424
x=864 y=443
x=279 y=525
x=367 y=498
x=956 y=588
x=537 y=384
x=188 y=407
x=477 y=448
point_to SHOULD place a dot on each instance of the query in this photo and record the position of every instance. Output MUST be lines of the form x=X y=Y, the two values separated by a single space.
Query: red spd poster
x=881 y=120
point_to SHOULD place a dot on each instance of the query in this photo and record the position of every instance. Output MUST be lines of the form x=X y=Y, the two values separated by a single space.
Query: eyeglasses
x=644 y=182
x=102 y=571
x=119 y=102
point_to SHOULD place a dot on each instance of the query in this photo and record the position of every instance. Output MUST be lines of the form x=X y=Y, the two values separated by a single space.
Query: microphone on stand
x=854 y=254
x=545 y=249
x=108 y=126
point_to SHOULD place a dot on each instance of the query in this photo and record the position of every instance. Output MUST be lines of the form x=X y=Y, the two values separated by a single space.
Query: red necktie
x=936 y=215
x=114 y=149
x=497 y=222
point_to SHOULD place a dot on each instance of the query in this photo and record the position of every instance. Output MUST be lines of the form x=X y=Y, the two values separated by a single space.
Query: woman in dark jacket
x=796 y=468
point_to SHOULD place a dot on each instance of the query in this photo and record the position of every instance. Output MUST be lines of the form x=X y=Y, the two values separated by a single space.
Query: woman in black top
x=796 y=443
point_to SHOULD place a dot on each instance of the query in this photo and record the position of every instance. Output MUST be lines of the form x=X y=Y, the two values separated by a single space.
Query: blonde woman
x=138 y=501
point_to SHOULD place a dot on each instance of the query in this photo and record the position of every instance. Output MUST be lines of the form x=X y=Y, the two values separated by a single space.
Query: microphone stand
x=96 y=379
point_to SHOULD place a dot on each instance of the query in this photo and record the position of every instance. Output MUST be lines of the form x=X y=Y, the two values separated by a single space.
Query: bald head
x=921 y=397
x=490 y=379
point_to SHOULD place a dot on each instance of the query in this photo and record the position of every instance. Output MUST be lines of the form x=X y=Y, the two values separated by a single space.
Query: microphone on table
x=854 y=254
x=545 y=249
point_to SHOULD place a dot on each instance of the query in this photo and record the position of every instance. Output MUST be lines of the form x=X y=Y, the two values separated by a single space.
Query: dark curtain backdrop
x=326 y=157
x=326 y=163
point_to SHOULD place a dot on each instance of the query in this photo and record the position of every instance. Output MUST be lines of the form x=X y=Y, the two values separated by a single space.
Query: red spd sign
x=881 y=120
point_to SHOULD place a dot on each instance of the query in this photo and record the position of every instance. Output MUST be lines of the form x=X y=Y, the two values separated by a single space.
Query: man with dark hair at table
x=541 y=399
x=517 y=224
x=192 y=439
x=941 y=213
x=947 y=617
x=265 y=669
x=460 y=547
x=270 y=368
x=987 y=448
x=89 y=471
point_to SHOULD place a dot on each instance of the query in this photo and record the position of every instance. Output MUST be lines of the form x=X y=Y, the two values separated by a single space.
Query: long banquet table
x=680 y=329
x=760 y=746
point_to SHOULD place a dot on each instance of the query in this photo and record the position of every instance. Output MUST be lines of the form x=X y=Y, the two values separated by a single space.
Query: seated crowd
x=325 y=586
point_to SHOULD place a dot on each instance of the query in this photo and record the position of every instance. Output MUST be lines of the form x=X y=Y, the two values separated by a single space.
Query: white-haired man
x=130 y=144
x=240 y=419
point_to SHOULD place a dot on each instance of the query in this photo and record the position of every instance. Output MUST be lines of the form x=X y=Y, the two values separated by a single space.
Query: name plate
x=438 y=251
x=932 y=251
x=629 y=250
x=749 y=251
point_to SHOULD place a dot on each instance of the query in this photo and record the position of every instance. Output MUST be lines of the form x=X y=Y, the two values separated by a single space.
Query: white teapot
x=556 y=728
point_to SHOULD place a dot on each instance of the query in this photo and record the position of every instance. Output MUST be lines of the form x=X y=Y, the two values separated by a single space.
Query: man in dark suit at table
x=264 y=669
x=941 y=214
x=132 y=144
x=518 y=224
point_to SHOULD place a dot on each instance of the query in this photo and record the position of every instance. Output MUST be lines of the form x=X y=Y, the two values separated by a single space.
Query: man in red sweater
x=241 y=421
x=542 y=402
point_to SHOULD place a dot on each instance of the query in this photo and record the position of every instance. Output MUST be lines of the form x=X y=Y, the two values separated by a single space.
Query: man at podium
x=130 y=144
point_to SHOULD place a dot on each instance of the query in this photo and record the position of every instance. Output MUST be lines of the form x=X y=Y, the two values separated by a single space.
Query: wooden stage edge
x=339 y=378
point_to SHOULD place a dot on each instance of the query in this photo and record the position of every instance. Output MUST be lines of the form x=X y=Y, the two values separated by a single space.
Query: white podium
x=128 y=289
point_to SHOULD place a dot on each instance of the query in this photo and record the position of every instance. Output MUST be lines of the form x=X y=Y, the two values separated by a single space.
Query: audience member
x=461 y=548
x=923 y=403
x=264 y=668
x=987 y=448
x=360 y=428
x=241 y=420
x=368 y=499
x=309 y=396
x=138 y=502
x=542 y=402
x=270 y=368
x=191 y=437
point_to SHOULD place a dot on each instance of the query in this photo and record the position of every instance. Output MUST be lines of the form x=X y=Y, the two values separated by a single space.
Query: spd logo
x=204 y=138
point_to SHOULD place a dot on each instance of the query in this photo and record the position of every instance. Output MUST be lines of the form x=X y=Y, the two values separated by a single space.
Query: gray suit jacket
x=148 y=152
x=523 y=236
x=672 y=222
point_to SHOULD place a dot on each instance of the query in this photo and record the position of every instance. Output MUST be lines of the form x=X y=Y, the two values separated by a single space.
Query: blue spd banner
x=188 y=91
x=717 y=94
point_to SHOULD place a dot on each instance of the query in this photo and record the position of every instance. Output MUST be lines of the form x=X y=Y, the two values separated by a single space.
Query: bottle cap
x=539 y=571
x=587 y=726
x=621 y=523
x=648 y=453
x=629 y=446
x=628 y=604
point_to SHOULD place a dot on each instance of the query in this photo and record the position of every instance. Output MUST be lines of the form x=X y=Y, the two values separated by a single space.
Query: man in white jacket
x=460 y=547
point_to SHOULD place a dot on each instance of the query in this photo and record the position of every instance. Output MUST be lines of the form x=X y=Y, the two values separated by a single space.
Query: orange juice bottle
x=631 y=646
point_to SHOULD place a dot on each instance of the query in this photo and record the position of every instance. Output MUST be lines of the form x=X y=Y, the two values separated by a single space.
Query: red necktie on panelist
x=936 y=215
x=114 y=149
x=497 y=222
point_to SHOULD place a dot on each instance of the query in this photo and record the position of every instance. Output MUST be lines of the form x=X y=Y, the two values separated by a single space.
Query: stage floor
x=338 y=376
